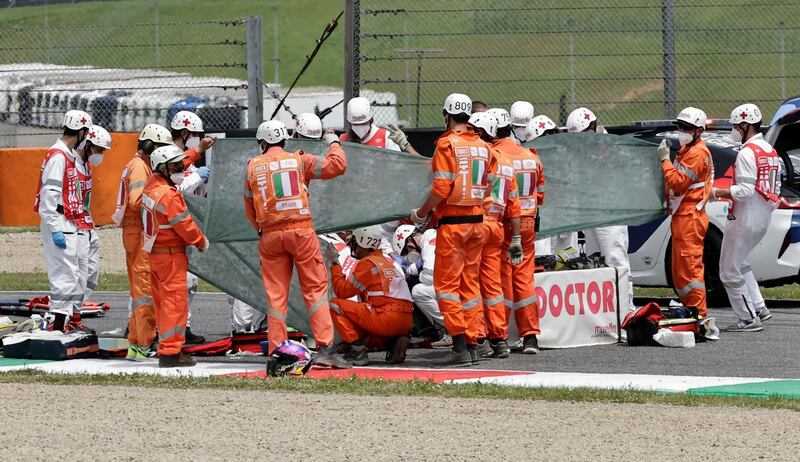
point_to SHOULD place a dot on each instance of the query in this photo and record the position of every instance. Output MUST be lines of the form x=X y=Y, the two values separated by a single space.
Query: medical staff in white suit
x=610 y=241
x=755 y=194
x=59 y=202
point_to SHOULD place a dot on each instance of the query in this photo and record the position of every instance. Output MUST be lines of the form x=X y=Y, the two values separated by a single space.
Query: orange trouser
x=494 y=310
x=142 y=324
x=354 y=321
x=688 y=233
x=518 y=284
x=457 y=278
x=168 y=280
x=278 y=251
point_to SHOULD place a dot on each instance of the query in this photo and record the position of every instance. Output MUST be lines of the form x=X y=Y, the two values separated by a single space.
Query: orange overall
x=142 y=323
x=385 y=309
x=518 y=285
x=688 y=183
x=460 y=165
x=169 y=229
x=276 y=204
x=502 y=202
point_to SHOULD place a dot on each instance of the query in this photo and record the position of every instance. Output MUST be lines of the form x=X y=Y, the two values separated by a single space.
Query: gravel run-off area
x=22 y=252
x=126 y=423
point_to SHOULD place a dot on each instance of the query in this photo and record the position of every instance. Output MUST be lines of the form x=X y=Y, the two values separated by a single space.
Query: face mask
x=361 y=130
x=413 y=256
x=192 y=143
x=177 y=178
x=684 y=138
x=521 y=133
x=95 y=159
x=736 y=135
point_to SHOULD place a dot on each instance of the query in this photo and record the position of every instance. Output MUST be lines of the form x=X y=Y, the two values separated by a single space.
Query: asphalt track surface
x=772 y=353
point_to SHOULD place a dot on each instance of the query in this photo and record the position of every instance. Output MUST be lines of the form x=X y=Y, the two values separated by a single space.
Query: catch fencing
x=128 y=75
x=625 y=59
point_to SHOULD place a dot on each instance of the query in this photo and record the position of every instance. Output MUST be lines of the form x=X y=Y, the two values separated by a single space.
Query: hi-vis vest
x=278 y=186
x=471 y=178
x=497 y=199
x=675 y=201
x=378 y=141
x=122 y=197
x=75 y=191
x=393 y=281
x=527 y=172
x=767 y=171
x=150 y=203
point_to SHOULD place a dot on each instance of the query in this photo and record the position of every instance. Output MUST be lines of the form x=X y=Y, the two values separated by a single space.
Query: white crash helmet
x=749 y=113
x=521 y=113
x=539 y=125
x=308 y=125
x=99 y=137
x=485 y=121
x=502 y=116
x=156 y=133
x=188 y=120
x=272 y=131
x=76 y=120
x=166 y=155
x=692 y=116
x=580 y=119
x=401 y=235
x=457 y=103
x=368 y=237
x=359 y=111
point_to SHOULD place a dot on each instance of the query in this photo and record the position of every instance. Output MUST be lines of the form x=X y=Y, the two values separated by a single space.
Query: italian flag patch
x=499 y=191
x=286 y=184
x=478 y=171
x=525 y=183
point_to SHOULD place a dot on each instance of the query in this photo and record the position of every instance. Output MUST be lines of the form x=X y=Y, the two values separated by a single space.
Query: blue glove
x=419 y=264
x=203 y=172
x=60 y=240
x=400 y=261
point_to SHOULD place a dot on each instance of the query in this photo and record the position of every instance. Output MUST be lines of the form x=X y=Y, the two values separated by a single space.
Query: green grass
x=787 y=292
x=18 y=229
x=13 y=282
x=385 y=388
x=300 y=22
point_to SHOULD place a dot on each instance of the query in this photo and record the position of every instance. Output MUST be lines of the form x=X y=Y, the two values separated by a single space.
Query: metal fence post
x=668 y=39
x=255 y=71
x=782 y=51
x=352 y=32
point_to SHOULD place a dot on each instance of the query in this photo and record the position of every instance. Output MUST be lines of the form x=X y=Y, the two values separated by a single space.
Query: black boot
x=192 y=339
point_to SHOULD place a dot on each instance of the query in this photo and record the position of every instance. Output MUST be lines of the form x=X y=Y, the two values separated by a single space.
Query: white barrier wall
x=579 y=308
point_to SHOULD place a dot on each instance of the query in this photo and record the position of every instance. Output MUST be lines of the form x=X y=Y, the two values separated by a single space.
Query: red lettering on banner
x=580 y=289
x=608 y=297
x=568 y=306
x=555 y=293
x=541 y=301
x=593 y=297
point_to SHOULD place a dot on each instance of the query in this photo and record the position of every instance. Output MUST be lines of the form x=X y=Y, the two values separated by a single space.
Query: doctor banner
x=581 y=307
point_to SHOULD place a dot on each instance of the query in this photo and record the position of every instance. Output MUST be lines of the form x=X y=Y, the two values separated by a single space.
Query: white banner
x=581 y=307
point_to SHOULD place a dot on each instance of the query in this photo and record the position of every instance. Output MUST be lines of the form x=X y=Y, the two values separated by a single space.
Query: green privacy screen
x=591 y=180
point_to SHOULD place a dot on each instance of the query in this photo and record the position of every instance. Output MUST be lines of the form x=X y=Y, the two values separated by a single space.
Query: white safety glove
x=331 y=254
x=397 y=135
x=330 y=138
x=418 y=219
x=663 y=151
x=515 y=249
x=714 y=193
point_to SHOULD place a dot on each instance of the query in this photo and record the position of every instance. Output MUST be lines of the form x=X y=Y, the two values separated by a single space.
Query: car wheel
x=715 y=292
x=712 y=246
